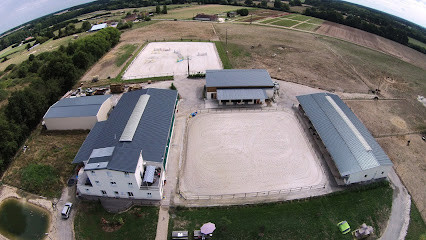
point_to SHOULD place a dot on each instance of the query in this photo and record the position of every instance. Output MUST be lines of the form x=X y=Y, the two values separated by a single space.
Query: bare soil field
x=389 y=117
x=409 y=162
x=231 y=153
x=373 y=41
x=106 y=66
x=170 y=30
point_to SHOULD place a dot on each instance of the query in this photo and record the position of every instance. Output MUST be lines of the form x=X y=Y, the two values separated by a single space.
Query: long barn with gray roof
x=354 y=151
x=126 y=156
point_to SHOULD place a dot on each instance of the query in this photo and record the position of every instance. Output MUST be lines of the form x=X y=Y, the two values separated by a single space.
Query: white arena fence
x=159 y=75
x=270 y=193
x=253 y=194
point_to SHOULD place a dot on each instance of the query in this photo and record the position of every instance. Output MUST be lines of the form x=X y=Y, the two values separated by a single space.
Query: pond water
x=22 y=221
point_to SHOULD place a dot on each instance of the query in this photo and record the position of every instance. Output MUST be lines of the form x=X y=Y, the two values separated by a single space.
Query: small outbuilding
x=355 y=154
x=77 y=113
x=239 y=86
x=205 y=17
x=98 y=27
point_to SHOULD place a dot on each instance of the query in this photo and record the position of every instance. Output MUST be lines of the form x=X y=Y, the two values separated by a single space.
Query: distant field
x=307 y=27
x=269 y=20
x=416 y=42
x=190 y=12
x=285 y=23
x=299 y=17
x=9 y=51
x=315 y=21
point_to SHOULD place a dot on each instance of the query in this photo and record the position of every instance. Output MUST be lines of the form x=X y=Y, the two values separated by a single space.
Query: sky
x=411 y=10
x=16 y=12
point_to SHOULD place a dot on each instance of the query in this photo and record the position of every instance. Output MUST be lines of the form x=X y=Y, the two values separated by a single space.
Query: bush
x=10 y=67
x=197 y=75
x=3 y=94
x=36 y=177
x=147 y=18
x=243 y=12
x=172 y=87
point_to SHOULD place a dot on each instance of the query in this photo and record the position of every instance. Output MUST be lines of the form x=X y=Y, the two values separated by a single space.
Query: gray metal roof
x=241 y=94
x=238 y=78
x=76 y=107
x=348 y=141
x=150 y=137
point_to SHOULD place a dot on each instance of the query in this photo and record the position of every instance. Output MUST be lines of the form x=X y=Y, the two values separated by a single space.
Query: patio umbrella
x=208 y=228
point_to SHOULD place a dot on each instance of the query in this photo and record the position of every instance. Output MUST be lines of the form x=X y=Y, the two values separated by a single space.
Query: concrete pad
x=171 y=58
x=245 y=152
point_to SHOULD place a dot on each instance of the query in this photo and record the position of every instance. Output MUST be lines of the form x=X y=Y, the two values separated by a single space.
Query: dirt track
x=373 y=41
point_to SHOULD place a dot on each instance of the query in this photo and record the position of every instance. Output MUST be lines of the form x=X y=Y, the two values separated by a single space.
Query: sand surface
x=240 y=152
x=170 y=58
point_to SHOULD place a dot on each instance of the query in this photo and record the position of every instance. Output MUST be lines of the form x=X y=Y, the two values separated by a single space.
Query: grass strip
x=417 y=227
x=314 y=218
x=118 y=78
x=124 y=54
x=223 y=55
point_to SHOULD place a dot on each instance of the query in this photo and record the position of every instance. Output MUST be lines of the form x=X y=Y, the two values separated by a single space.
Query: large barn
x=126 y=156
x=354 y=152
x=239 y=86
x=77 y=113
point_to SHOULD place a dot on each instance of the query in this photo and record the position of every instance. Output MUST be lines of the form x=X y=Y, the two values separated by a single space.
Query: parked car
x=66 y=211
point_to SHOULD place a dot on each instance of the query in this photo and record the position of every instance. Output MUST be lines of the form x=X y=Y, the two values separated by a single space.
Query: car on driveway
x=66 y=211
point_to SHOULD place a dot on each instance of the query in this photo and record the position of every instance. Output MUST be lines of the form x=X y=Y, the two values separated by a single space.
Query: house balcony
x=156 y=179
x=83 y=179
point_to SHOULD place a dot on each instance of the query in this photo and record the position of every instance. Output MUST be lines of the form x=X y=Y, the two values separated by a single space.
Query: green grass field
x=315 y=21
x=306 y=219
x=9 y=51
x=285 y=23
x=307 y=27
x=288 y=16
x=300 y=17
x=270 y=20
x=190 y=12
x=417 y=227
x=416 y=42
x=139 y=223
x=124 y=53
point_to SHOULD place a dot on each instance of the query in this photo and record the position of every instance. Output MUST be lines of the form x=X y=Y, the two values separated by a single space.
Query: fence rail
x=252 y=194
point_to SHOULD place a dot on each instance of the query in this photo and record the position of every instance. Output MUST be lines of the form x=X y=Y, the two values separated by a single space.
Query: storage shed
x=354 y=152
x=77 y=113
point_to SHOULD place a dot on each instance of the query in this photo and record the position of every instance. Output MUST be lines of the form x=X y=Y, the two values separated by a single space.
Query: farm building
x=239 y=86
x=126 y=156
x=354 y=152
x=205 y=17
x=77 y=113
x=98 y=27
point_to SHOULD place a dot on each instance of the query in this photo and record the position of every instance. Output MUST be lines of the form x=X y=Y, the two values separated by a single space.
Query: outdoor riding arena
x=246 y=153
x=171 y=58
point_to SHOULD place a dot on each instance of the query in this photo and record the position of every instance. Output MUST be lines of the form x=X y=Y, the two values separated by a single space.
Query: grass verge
x=417 y=227
x=137 y=223
x=124 y=54
x=118 y=78
x=153 y=79
x=223 y=55
x=305 y=219
x=48 y=159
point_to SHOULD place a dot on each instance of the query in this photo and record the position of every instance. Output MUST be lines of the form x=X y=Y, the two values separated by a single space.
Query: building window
x=130 y=194
x=116 y=193
x=87 y=190
x=383 y=172
x=365 y=175
x=93 y=172
x=114 y=184
x=149 y=195
x=130 y=184
x=126 y=174
x=103 y=192
x=109 y=174
x=97 y=183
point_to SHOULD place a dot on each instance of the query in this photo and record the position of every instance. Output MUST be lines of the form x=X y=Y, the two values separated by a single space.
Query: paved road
x=64 y=228
x=400 y=213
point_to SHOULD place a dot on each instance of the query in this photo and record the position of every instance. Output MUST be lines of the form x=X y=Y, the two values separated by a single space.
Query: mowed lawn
x=190 y=12
x=285 y=23
x=305 y=219
x=138 y=223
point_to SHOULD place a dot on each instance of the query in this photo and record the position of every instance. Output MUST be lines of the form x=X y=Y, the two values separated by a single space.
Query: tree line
x=50 y=75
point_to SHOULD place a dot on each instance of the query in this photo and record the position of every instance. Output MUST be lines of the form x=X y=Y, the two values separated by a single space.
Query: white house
x=126 y=156
x=77 y=113
x=356 y=155
x=239 y=86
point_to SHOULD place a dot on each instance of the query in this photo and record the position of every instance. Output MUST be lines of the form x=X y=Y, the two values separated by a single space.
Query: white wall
x=373 y=173
x=104 y=110
x=72 y=123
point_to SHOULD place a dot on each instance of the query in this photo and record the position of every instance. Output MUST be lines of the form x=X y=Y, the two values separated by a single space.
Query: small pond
x=22 y=221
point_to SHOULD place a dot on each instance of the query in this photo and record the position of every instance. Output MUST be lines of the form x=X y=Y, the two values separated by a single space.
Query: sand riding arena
x=247 y=152
x=172 y=58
